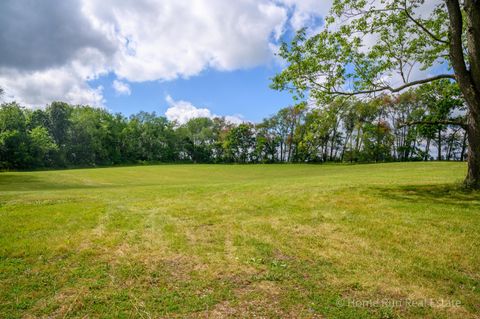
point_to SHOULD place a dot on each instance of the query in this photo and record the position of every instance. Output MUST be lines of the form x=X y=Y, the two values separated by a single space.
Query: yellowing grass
x=336 y=241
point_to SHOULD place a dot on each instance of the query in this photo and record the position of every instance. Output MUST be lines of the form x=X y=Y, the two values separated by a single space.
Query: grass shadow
x=27 y=182
x=443 y=194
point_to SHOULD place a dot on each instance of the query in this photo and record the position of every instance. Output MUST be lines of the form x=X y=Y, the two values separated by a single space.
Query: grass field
x=215 y=241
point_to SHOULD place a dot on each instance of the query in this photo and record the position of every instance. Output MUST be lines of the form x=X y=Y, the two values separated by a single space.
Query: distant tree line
x=386 y=128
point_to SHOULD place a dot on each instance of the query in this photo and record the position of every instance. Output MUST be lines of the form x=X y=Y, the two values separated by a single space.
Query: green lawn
x=287 y=241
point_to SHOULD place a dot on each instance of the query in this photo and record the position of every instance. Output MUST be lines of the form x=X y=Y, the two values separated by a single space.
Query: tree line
x=346 y=130
x=366 y=48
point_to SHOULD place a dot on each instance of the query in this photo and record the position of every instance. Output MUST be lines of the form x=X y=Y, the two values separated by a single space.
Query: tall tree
x=14 y=144
x=267 y=140
x=443 y=107
x=42 y=147
x=404 y=35
x=197 y=136
x=286 y=122
x=240 y=143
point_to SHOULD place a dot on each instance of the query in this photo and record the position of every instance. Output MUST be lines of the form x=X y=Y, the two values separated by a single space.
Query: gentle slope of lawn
x=218 y=241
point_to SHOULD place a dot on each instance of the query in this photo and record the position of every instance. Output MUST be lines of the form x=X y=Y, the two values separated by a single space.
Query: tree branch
x=421 y=26
x=396 y=89
x=439 y=122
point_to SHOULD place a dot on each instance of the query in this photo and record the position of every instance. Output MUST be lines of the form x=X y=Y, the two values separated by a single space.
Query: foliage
x=362 y=44
x=368 y=48
x=240 y=143
x=387 y=128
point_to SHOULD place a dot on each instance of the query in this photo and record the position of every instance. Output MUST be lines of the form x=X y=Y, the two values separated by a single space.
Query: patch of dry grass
x=271 y=241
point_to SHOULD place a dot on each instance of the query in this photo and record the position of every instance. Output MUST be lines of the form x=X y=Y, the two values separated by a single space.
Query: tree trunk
x=412 y=148
x=347 y=139
x=449 y=148
x=332 y=143
x=281 y=151
x=473 y=158
x=464 y=146
x=357 y=144
x=439 y=142
x=325 y=150
x=427 y=150
x=468 y=78
x=290 y=142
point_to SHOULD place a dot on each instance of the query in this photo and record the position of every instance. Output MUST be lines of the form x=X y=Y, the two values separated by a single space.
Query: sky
x=178 y=58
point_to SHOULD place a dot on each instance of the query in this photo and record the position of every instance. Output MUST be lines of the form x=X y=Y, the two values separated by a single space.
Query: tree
x=285 y=123
x=337 y=60
x=13 y=137
x=378 y=141
x=401 y=109
x=37 y=118
x=198 y=139
x=221 y=129
x=443 y=107
x=240 y=143
x=148 y=137
x=42 y=147
x=88 y=137
x=58 y=126
x=320 y=132
x=267 y=140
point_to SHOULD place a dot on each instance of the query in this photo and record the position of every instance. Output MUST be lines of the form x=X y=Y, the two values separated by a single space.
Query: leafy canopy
x=366 y=47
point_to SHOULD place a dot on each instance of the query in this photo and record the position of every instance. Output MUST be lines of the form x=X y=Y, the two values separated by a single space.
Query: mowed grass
x=215 y=241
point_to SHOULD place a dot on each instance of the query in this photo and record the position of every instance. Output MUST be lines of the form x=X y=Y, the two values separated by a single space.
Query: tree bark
x=468 y=78
x=439 y=144
x=427 y=150
x=332 y=142
x=473 y=174
x=464 y=146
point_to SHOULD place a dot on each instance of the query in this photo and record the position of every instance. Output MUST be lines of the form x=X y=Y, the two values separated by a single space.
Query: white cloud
x=121 y=88
x=306 y=12
x=50 y=50
x=36 y=89
x=137 y=40
x=170 y=39
x=183 y=111
x=235 y=119
x=39 y=35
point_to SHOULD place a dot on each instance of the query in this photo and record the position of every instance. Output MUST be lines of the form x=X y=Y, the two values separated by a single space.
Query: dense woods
x=402 y=127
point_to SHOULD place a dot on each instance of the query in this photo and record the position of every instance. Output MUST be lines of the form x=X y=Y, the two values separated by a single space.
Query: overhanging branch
x=394 y=89
x=438 y=122
x=421 y=26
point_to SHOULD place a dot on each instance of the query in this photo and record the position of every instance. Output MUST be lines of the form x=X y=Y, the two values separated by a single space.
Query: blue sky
x=243 y=92
x=181 y=58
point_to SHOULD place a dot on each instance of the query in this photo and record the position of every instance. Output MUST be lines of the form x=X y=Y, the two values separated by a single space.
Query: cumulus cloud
x=183 y=111
x=306 y=12
x=121 y=88
x=234 y=119
x=69 y=82
x=170 y=39
x=37 y=35
x=142 y=40
x=50 y=51
x=40 y=88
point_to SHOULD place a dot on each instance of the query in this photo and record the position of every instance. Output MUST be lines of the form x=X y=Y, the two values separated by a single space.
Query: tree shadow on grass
x=438 y=194
x=26 y=182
